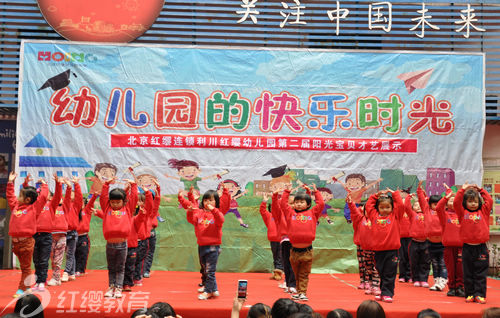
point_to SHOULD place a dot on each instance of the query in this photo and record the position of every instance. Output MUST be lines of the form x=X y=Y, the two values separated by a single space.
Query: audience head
x=29 y=306
x=259 y=310
x=305 y=308
x=370 y=309
x=492 y=312
x=301 y=315
x=339 y=313
x=284 y=307
x=428 y=313
x=139 y=312
x=161 y=309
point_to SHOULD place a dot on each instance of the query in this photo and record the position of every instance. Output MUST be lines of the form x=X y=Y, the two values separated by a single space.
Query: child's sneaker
x=282 y=285
x=53 y=282
x=35 y=288
x=78 y=274
x=18 y=293
x=424 y=284
x=435 y=287
x=41 y=287
x=376 y=291
x=362 y=285
x=401 y=280
x=118 y=293
x=417 y=284
x=378 y=297
x=292 y=290
x=127 y=288
x=204 y=296
x=145 y=275
x=387 y=299
x=216 y=293
x=469 y=299
x=138 y=282
x=368 y=291
x=452 y=292
x=303 y=297
x=460 y=292
x=64 y=277
x=480 y=300
x=201 y=289
x=71 y=277
x=109 y=293
x=296 y=296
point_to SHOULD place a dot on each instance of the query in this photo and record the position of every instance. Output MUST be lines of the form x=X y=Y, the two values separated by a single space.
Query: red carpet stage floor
x=84 y=297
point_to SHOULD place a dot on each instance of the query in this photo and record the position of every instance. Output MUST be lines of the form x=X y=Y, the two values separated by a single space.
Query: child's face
x=116 y=204
x=105 y=173
x=189 y=173
x=354 y=184
x=472 y=204
x=232 y=188
x=326 y=196
x=140 y=202
x=384 y=208
x=300 y=205
x=433 y=206
x=21 y=199
x=416 y=207
x=207 y=202
x=449 y=205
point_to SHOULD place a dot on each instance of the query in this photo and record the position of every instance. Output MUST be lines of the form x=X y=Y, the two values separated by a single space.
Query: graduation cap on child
x=276 y=172
x=59 y=81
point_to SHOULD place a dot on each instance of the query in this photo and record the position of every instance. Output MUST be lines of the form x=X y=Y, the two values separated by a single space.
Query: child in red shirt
x=22 y=226
x=452 y=243
x=207 y=220
x=83 y=242
x=273 y=237
x=474 y=215
x=384 y=212
x=404 y=256
x=302 y=222
x=117 y=208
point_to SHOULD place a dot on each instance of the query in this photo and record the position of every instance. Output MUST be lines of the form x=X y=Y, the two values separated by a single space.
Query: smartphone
x=242 y=288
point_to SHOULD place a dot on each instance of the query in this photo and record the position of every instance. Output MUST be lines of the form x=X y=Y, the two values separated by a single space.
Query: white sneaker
x=41 y=287
x=118 y=293
x=201 y=289
x=110 y=292
x=442 y=283
x=292 y=290
x=216 y=293
x=435 y=287
x=53 y=282
x=71 y=277
x=282 y=285
x=64 y=277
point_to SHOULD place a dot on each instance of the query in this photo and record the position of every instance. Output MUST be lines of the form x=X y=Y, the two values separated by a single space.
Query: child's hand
x=265 y=197
x=446 y=186
x=314 y=187
x=129 y=181
x=56 y=178
x=75 y=179
x=210 y=207
x=238 y=303
x=42 y=181
x=305 y=187
x=449 y=194
x=28 y=179
x=112 y=180
x=420 y=183
x=157 y=184
x=12 y=176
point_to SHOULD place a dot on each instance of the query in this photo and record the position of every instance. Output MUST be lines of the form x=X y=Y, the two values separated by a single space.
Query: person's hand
x=265 y=197
x=42 y=181
x=28 y=179
x=210 y=207
x=465 y=185
x=420 y=183
x=75 y=179
x=314 y=187
x=12 y=176
x=129 y=181
x=238 y=304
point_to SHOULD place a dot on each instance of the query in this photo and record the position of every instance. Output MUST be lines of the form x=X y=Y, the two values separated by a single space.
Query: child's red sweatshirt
x=267 y=217
x=153 y=218
x=417 y=222
x=432 y=224
x=302 y=225
x=46 y=218
x=207 y=224
x=405 y=223
x=60 y=221
x=117 y=223
x=362 y=228
x=449 y=223
x=474 y=226
x=84 y=225
x=279 y=217
x=23 y=217
x=143 y=231
x=385 y=229
x=76 y=206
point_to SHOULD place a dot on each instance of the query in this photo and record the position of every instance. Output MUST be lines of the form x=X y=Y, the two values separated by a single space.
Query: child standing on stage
x=474 y=215
x=24 y=211
x=117 y=210
x=384 y=212
x=43 y=235
x=207 y=220
x=273 y=237
x=418 y=250
x=301 y=221
x=152 y=225
x=83 y=242
x=452 y=243
x=72 y=235
x=404 y=233
x=368 y=275
x=434 y=232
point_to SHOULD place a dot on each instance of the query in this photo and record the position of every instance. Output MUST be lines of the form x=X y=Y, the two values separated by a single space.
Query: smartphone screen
x=242 y=288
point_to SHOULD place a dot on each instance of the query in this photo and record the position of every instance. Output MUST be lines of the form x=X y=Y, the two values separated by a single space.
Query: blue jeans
x=148 y=261
x=209 y=254
x=116 y=255
x=436 y=253
x=71 y=240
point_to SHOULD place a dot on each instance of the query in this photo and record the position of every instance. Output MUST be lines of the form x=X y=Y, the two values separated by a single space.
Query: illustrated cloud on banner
x=193 y=116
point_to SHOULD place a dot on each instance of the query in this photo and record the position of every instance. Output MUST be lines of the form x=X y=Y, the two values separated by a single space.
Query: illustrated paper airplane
x=417 y=79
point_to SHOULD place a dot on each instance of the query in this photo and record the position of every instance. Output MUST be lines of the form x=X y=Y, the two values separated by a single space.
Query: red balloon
x=101 y=20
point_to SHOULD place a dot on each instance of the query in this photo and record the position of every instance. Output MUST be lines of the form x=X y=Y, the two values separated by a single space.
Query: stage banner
x=258 y=120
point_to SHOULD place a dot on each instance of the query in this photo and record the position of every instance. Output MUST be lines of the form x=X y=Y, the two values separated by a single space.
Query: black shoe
x=451 y=292
x=460 y=292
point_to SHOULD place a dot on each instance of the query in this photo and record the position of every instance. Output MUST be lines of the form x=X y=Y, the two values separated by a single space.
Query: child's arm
x=422 y=200
x=488 y=203
x=218 y=216
x=408 y=207
x=54 y=202
x=67 y=199
x=78 y=200
x=149 y=205
x=356 y=214
x=132 y=197
x=275 y=207
x=320 y=204
x=42 y=197
x=441 y=207
x=371 y=211
x=186 y=204
x=11 y=195
x=89 y=206
x=225 y=200
x=99 y=213
x=104 y=198
x=399 y=207
x=457 y=202
x=263 y=209
x=27 y=180
x=285 y=207
x=157 y=199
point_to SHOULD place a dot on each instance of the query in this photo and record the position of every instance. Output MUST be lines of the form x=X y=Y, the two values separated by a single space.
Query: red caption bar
x=262 y=142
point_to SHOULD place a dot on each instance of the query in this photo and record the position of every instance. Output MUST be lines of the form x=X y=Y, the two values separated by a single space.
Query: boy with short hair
x=22 y=226
x=302 y=221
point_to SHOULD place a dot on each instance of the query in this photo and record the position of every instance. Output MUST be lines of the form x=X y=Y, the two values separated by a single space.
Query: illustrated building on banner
x=43 y=161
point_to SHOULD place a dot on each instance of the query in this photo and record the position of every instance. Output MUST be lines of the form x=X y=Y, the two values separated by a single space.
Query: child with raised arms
x=384 y=212
x=22 y=225
x=117 y=208
x=474 y=215
x=272 y=236
x=72 y=219
x=207 y=220
x=83 y=243
x=302 y=221
x=452 y=243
